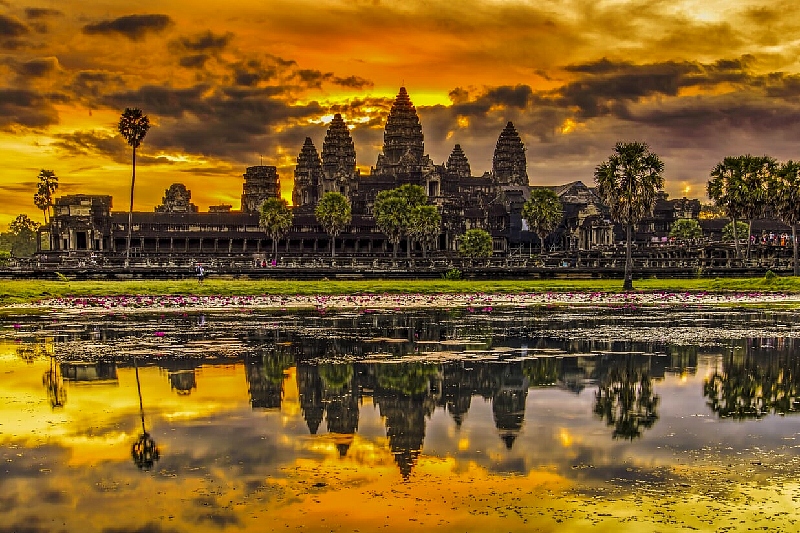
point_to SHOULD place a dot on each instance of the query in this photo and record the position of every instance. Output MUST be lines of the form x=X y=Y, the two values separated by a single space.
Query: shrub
x=453 y=274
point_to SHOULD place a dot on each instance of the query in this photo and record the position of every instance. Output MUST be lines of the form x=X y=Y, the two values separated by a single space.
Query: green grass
x=31 y=291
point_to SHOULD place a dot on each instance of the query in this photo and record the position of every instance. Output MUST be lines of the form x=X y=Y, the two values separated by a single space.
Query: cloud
x=206 y=41
x=21 y=107
x=11 y=30
x=35 y=68
x=91 y=143
x=134 y=27
x=36 y=13
x=194 y=61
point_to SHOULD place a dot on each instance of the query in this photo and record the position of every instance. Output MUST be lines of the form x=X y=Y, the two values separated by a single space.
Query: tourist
x=200 y=272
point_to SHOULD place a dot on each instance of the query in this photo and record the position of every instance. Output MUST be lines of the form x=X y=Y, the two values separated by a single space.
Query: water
x=546 y=419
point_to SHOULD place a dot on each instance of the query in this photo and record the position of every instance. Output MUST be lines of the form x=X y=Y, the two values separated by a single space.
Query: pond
x=559 y=418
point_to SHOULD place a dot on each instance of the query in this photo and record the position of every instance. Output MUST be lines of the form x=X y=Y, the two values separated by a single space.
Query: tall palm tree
x=275 y=219
x=785 y=199
x=133 y=126
x=628 y=182
x=543 y=213
x=43 y=199
x=333 y=212
x=738 y=186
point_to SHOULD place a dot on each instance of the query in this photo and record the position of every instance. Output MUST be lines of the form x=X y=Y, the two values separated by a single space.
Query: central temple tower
x=403 y=142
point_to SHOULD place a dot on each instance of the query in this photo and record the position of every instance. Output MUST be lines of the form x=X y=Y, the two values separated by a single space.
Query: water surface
x=546 y=419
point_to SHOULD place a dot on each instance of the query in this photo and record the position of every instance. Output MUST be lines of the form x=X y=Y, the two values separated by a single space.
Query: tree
x=628 y=182
x=686 y=228
x=738 y=186
x=392 y=212
x=732 y=229
x=425 y=225
x=543 y=213
x=22 y=236
x=133 y=126
x=475 y=243
x=785 y=200
x=275 y=219
x=333 y=212
x=43 y=199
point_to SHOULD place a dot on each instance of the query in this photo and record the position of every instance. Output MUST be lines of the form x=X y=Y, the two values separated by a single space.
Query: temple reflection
x=409 y=365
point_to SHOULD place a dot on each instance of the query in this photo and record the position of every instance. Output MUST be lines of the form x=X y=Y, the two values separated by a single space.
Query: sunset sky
x=229 y=84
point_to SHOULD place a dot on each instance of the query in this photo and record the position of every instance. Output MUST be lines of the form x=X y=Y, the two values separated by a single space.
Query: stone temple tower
x=457 y=163
x=403 y=142
x=509 y=166
x=339 y=159
x=307 y=176
x=260 y=182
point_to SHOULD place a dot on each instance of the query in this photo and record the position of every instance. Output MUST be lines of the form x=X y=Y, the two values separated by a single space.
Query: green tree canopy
x=733 y=229
x=22 y=236
x=392 y=212
x=475 y=243
x=686 y=228
x=425 y=225
x=543 y=213
x=628 y=182
x=738 y=187
x=333 y=213
x=133 y=126
x=275 y=220
x=784 y=198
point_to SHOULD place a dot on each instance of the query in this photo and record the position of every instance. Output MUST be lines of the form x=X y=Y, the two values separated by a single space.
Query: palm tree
x=392 y=212
x=628 y=182
x=737 y=186
x=425 y=224
x=275 y=219
x=785 y=199
x=43 y=199
x=333 y=212
x=543 y=213
x=133 y=126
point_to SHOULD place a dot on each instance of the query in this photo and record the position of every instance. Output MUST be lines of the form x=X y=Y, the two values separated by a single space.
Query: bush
x=770 y=276
x=453 y=274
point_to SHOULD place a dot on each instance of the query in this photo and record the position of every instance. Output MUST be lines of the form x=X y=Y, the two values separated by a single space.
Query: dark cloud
x=36 y=13
x=91 y=143
x=134 y=27
x=194 y=61
x=150 y=527
x=312 y=78
x=229 y=123
x=353 y=82
x=35 y=68
x=91 y=84
x=20 y=107
x=205 y=42
x=11 y=27
x=252 y=72
x=11 y=30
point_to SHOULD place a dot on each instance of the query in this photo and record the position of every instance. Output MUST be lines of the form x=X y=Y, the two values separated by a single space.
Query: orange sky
x=227 y=84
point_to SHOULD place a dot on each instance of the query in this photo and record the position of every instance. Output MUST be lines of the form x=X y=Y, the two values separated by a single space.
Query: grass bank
x=31 y=291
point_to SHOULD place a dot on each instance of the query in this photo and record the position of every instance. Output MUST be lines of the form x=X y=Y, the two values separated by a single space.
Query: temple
x=492 y=201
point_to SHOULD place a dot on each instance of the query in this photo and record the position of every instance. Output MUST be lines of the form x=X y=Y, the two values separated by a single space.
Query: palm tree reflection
x=625 y=397
x=53 y=381
x=144 y=451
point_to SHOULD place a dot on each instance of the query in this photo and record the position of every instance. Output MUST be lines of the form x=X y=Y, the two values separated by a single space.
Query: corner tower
x=307 y=176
